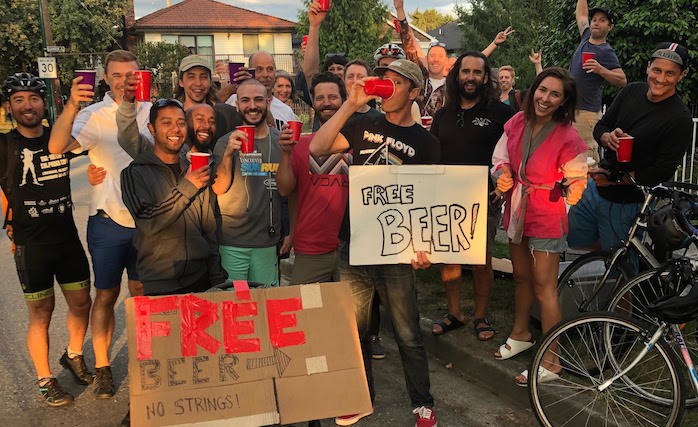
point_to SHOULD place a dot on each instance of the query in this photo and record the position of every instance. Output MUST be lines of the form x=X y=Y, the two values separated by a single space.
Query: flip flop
x=454 y=323
x=544 y=376
x=483 y=329
x=515 y=347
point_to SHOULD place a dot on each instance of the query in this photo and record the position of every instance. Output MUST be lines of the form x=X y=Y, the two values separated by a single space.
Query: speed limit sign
x=47 y=68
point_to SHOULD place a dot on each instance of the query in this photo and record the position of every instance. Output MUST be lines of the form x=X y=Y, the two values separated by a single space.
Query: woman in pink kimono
x=539 y=155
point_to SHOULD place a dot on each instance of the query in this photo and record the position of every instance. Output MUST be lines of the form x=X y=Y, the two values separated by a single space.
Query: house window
x=201 y=45
x=252 y=43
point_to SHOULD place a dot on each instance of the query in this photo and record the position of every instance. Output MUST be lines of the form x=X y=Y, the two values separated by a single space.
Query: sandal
x=544 y=376
x=515 y=347
x=481 y=330
x=453 y=323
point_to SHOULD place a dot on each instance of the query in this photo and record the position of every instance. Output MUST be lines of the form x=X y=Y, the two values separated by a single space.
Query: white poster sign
x=396 y=211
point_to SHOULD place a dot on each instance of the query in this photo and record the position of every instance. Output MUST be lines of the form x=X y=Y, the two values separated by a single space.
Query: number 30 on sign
x=47 y=68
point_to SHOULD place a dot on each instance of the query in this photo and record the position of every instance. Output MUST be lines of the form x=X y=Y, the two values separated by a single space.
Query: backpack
x=9 y=153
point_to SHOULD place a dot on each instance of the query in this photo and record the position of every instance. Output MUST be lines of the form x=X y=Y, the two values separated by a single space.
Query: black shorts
x=38 y=265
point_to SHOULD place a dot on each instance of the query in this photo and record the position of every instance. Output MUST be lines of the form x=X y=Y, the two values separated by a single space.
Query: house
x=451 y=35
x=219 y=31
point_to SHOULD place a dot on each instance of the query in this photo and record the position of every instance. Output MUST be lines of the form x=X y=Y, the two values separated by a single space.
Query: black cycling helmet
x=667 y=228
x=680 y=305
x=23 y=82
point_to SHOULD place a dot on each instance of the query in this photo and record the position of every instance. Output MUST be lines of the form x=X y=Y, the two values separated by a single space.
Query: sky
x=288 y=9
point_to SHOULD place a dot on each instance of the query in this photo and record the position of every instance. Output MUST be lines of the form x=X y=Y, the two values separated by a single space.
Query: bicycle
x=589 y=281
x=619 y=368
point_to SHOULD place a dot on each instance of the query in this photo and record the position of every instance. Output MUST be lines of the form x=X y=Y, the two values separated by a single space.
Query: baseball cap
x=673 y=52
x=191 y=61
x=405 y=68
x=606 y=11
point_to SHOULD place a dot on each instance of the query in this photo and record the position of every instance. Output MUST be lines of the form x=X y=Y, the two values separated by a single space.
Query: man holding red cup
x=249 y=203
x=396 y=139
x=645 y=133
x=593 y=63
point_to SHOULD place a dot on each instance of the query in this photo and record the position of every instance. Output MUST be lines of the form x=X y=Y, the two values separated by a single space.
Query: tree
x=355 y=27
x=640 y=26
x=162 y=59
x=485 y=18
x=429 y=19
x=86 y=26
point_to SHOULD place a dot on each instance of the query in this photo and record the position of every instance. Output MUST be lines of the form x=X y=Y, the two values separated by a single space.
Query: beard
x=262 y=116
x=201 y=146
x=324 y=112
x=29 y=122
x=479 y=88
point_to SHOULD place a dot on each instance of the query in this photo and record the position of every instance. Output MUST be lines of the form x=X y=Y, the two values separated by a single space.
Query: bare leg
x=483 y=281
x=451 y=279
x=40 y=313
x=79 y=303
x=545 y=272
x=103 y=324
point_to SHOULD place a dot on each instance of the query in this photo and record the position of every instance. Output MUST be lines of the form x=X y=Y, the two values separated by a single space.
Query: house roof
x=210 y=15
x=450 y=34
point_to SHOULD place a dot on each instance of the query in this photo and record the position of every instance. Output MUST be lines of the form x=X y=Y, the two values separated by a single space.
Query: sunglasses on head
x=167 y=102
x=432 y=44
x=394 y=51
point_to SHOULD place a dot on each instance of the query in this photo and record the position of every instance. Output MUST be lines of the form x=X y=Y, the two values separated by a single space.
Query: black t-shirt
x=662 y=132
x=468 y=137
x=376 y=141
x=42 y=207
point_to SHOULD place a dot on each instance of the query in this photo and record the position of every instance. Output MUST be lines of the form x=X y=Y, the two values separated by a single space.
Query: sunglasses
x=432 y=44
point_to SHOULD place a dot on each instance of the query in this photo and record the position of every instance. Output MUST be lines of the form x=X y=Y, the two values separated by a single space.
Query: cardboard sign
x=396 y=211
x=250 y=357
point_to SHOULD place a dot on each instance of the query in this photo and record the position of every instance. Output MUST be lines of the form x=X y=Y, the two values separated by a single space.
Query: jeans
x=395 y=286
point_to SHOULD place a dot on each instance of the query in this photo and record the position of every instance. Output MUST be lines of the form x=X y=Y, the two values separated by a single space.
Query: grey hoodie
x=175 y=227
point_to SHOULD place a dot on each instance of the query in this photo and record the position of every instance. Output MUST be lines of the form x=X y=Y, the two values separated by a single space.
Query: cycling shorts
x=39 y=265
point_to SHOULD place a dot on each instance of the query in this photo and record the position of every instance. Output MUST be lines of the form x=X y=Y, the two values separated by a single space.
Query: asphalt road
x=459 y=401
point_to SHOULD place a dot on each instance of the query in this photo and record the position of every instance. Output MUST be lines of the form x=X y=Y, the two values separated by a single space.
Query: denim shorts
x=558 y=245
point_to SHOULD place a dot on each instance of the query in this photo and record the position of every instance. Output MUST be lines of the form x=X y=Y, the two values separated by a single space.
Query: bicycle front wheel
x=579 y=280
x=632 y=300
x=575 y=398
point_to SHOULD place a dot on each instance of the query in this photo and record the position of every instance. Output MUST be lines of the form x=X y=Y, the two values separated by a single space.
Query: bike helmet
x=667 y=228
x=23 y=82
x=389 y=50
x=680 y=305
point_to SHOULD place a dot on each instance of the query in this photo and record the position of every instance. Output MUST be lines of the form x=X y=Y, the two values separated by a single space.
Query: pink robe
x=562 y=155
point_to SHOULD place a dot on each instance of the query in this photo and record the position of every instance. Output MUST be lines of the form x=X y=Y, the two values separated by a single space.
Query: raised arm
x=61 y=140
x=311 y=58
x=581 y=12
x=500 y=38
x=328 y=138
x=409 y=42
x=285 y=178
x=537 y=60
x=128 y=134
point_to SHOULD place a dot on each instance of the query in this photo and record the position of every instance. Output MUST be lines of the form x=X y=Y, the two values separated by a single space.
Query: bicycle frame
x=659 y=334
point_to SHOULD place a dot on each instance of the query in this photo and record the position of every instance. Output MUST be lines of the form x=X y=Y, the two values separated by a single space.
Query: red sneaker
x=425 y=417
x=347 y=420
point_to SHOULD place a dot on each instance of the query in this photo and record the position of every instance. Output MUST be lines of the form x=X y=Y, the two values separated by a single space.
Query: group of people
x=179 y=230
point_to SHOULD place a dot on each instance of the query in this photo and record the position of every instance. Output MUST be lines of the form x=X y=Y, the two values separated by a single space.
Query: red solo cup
x=234 y=67
x=324 y=5
x=381 y=87
x=587 y=56
x=625 y=149
x=305 y=41
x=89 y=77
x=396 y=24
x=295 y=127
x=143 y=87
x=198 y=160
x=426 y=121
x=247 y=146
